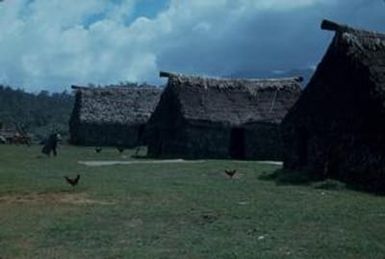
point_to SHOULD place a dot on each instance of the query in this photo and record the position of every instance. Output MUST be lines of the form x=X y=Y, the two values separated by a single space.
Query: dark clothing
x=50 y=145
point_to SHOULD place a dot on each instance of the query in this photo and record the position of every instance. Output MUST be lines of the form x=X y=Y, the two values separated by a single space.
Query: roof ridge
x=179 y=75
x=107 y=88
x=343 y=28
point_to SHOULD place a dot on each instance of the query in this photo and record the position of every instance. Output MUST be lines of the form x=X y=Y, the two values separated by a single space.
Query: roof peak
x=343 y=28
x=172 y=74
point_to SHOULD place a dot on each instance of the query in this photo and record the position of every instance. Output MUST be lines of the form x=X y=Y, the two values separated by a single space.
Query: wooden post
x=333 y=26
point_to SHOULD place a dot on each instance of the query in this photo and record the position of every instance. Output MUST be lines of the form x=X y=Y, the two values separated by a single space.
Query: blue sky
x=51 y=44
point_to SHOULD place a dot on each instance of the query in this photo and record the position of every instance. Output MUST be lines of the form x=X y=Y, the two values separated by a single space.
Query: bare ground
x=58 y=197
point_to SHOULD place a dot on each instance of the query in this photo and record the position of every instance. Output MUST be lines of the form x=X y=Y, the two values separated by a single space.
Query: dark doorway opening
x=303 y=137
x=140 y=140
x=237 y=143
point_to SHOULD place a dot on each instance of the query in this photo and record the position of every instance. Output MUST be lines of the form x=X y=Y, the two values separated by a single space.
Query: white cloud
x=281 y=4
x=51 y=44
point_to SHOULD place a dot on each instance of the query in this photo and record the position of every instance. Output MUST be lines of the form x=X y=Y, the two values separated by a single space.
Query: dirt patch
x=59 y=197
x=118 y=162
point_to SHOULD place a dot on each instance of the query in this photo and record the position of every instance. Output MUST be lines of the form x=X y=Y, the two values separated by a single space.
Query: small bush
x=330 y=184
x=289 y=177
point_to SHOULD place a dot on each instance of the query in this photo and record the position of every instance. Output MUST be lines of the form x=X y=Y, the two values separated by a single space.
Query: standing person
x=50 y=144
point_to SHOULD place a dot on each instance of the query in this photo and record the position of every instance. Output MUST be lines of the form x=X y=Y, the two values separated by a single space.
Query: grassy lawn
x=175 y=210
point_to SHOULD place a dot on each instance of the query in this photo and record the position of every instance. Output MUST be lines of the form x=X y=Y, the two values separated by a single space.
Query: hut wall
x=208 y=141
x=106 y=135
x=165 y=129
x=191 y=142
x=263 y=142
x=165 y=142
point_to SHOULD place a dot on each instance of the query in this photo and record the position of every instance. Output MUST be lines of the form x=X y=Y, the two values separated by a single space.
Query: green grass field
x=180 y=210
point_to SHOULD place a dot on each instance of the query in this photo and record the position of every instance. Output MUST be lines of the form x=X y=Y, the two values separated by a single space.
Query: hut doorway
x=140 y=137
x=237 y=143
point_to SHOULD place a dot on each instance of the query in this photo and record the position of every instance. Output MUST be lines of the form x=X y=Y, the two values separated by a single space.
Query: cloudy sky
x=51 y=44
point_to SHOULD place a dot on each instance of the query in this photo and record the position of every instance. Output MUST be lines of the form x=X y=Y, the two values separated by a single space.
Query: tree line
x=38 y=114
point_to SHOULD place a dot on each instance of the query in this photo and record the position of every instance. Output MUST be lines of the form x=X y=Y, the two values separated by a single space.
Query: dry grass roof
x=115 y=105
x=233 y=101
x=362 y=47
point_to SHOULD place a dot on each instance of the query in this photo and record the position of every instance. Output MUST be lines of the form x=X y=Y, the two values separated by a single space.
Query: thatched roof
x=352 y=67
x=365 y=49
x=233 y=101
x=115 y=105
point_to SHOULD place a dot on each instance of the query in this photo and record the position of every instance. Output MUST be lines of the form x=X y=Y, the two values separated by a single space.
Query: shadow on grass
x=287 y=177
x=140 y=156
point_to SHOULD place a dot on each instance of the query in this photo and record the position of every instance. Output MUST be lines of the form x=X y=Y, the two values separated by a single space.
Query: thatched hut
x=111 y=116
x=336 y=129
x=220 y=118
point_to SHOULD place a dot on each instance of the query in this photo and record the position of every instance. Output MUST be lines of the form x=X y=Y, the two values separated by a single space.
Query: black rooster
x=73 y=181
x=231 y=173
x=120 y=149
x=98 y=149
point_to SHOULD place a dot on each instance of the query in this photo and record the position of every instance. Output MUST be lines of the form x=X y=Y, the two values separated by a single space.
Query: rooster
x=231 y=173
x=98 y=149
x=73 y=181
x=120 y=149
